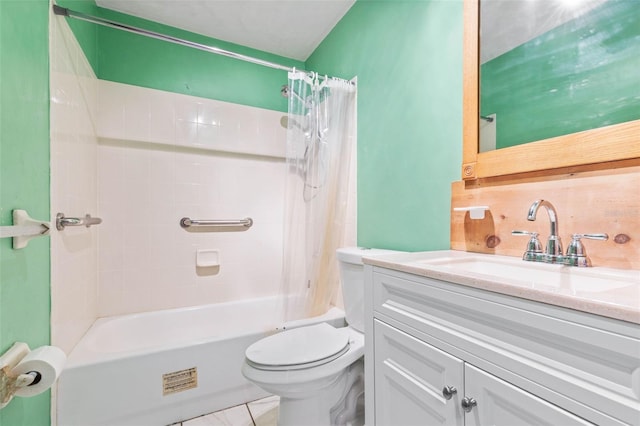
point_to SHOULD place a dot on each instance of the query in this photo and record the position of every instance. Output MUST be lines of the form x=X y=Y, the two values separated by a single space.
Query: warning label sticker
x=178 y=381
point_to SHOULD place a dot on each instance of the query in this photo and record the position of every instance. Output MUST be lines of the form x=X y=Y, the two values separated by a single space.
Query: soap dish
x=475 y=212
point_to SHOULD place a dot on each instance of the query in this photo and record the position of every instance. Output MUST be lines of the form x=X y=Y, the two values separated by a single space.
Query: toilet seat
x=300 y=348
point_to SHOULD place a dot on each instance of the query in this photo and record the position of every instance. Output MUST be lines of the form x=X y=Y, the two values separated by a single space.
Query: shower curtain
x=321 y=128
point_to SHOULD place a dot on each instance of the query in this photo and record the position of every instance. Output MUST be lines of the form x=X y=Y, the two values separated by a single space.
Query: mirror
x=539 y=59
x=611 y=143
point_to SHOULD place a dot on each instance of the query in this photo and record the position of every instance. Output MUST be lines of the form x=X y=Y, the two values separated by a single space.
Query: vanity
x=459 y=338
x=476 y=335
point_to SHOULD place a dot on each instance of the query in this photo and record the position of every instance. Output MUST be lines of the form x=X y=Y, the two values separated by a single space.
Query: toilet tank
x=352 y=282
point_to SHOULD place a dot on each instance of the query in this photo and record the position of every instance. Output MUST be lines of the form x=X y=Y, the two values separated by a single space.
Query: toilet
x=318 y=370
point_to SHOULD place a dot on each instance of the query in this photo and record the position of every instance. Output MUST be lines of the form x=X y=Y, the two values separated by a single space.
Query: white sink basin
x=548 y=275
x=604 y=291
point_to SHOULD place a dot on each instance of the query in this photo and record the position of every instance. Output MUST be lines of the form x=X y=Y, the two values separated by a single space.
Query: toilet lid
x=301 y=347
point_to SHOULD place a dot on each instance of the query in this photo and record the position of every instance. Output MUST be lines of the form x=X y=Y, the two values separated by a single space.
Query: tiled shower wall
x=141 y=160
x=74 y=253
x=163 y=156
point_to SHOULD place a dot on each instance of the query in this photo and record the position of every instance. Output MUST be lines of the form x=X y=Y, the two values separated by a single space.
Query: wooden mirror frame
x=619 y=142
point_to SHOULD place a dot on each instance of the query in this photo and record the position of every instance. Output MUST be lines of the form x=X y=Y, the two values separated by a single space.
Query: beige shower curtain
x=320 y=139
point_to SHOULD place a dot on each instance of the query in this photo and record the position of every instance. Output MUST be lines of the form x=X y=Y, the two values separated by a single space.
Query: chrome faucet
x=576 y=254
x=553 y=251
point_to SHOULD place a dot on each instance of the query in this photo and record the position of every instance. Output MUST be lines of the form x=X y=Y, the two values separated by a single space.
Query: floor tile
x=265 y=411
x=234 y=416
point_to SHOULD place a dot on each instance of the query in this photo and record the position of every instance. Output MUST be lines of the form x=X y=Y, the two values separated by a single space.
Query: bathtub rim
x=83 y=355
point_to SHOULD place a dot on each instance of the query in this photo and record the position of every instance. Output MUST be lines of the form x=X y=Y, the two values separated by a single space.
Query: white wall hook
x=24 y=228
x=33 y=228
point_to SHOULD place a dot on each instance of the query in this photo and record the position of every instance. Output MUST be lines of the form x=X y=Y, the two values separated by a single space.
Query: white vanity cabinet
x=409 y=376
x=434 y=347
x=500 y=403
x=418 y=384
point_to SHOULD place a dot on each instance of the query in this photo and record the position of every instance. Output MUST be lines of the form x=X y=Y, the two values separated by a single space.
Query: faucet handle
x=534 y=247
x=602 y=237
x=576 y=253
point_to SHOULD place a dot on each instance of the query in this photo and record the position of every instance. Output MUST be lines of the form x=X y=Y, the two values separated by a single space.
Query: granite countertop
x=608 y=292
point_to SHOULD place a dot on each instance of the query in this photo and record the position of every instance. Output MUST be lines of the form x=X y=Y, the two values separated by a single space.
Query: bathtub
x=162 y=367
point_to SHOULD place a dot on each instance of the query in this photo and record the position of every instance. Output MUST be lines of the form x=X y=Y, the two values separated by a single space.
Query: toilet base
x=339 y=404
x=350 y=410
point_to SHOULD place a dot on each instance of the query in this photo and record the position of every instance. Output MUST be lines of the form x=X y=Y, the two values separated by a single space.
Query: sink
x=513 y=271
x=598 y=290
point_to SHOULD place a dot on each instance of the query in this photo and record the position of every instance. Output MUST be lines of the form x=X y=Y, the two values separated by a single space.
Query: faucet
x=553 y=250
x=576 y=255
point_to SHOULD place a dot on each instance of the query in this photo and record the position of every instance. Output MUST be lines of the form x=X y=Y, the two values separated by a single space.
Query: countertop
x=608 y=292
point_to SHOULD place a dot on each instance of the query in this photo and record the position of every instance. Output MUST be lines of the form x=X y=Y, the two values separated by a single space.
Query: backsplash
x=604 y=201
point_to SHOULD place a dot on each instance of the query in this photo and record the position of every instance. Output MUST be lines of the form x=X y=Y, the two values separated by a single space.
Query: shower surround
x=163 y=156
x=141 y=159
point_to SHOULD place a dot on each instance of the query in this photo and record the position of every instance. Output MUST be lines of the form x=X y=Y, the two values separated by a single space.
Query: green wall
x=24 y=184
x=409 y=121
x=407 y=56
x=124 y=57
x=534 y=89
x=85 y=32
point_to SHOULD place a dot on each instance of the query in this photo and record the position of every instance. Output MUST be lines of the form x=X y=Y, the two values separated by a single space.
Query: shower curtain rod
x=58 y=10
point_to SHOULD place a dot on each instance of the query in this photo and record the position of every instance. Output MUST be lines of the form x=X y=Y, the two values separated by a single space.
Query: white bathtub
x=129 y=370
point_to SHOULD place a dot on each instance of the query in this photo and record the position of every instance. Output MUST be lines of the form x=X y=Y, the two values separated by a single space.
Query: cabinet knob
x=448 y=392
x=468 y=404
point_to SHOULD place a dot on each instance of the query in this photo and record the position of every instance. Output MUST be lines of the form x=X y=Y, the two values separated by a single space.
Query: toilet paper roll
x=48 y=361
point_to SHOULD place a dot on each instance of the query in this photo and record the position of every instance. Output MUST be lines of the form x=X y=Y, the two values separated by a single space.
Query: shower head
x=287 y=92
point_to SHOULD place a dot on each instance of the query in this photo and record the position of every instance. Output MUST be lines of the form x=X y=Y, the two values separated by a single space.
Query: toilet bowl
x=318 y=370
x=310 y=392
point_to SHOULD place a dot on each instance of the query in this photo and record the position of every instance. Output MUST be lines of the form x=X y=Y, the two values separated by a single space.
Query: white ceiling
x=294 y=28
x=289 y=28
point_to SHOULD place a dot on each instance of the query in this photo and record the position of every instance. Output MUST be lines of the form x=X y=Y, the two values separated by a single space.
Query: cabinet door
x=409 y=379
x=500 y=403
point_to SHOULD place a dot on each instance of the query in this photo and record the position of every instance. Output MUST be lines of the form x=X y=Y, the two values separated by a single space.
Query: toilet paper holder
x=13 y=382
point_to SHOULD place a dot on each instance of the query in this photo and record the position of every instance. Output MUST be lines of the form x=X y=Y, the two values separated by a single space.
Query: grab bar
x=87 y=220
x=246 y=223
